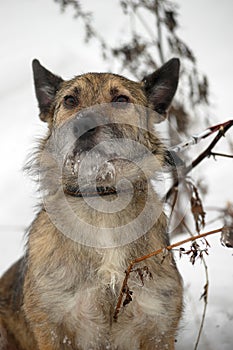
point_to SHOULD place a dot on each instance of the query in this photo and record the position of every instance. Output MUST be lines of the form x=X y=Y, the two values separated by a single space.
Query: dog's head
x=102 y=125
x=101 y=147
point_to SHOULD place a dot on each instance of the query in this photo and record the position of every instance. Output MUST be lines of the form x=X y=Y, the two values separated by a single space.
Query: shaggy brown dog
x=99 y=212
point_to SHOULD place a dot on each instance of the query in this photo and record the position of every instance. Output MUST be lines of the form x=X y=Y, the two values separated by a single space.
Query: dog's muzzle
x=86 y=125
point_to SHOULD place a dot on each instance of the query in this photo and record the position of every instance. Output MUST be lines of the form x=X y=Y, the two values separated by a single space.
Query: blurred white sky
x=36 y=29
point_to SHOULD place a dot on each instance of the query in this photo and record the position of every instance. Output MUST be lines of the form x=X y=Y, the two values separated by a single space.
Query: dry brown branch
x=154 y=36
x=196 y=206
x=215 y=154
x=159 y=32
x=205 y=297
x=156 y=252
x=205 y=154
x=208 y=150
x=205 y=294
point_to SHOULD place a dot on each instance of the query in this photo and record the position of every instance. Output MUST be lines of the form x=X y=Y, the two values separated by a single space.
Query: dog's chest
x=79 y=297
x=86 y=291
x=86 y=314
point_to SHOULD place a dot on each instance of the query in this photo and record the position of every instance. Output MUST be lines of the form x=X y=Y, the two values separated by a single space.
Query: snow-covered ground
x=36 y=29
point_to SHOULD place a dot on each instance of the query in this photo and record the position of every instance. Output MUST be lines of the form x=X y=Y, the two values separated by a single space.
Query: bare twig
x=206 y=287
x=204 y=294
x=215 y=154
x=196 y=138
x=205 y=297
x=156 y=252
x=205 y=154
x=208 y=150
x=159 y=31
x=143 y=22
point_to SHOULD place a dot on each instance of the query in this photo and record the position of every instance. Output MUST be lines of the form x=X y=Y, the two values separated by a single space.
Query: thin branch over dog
x=149 y=255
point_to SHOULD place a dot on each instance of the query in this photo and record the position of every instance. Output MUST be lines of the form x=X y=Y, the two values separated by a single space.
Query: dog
x=99 y=212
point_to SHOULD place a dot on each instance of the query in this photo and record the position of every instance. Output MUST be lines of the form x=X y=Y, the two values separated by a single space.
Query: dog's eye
x=121 y=99
x=70 y=101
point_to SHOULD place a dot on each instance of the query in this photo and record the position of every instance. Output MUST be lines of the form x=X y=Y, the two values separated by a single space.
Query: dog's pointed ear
x=46 y=85
x=160 y=86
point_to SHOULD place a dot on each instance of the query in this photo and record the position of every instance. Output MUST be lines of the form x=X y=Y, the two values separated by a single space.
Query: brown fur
x=62 y=294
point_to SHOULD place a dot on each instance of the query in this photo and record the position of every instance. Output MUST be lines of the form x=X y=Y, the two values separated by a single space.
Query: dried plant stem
x=208 y=150
x=205 y=154
x=143 y=22
x=156 y=252
x=206 y=290
x=159 y=32
x=215 y=154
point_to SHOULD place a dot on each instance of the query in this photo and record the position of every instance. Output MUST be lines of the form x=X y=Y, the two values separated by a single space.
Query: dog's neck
x=105 y=220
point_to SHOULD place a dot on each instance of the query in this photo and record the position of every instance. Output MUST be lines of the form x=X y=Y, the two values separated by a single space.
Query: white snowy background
x=36 y=29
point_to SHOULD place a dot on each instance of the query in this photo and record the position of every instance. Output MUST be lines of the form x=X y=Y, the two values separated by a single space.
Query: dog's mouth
x=112 y=167
x=97 y=173
x=88 y=173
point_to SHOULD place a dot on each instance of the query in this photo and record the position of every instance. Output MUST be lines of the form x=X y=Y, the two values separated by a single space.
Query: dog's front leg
x=164 y=343
x=46 y=338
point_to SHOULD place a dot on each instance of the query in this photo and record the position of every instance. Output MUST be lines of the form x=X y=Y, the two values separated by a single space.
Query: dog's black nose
x=85 y=125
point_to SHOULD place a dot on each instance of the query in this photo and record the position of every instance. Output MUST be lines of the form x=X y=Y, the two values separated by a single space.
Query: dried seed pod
x=227 y=236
